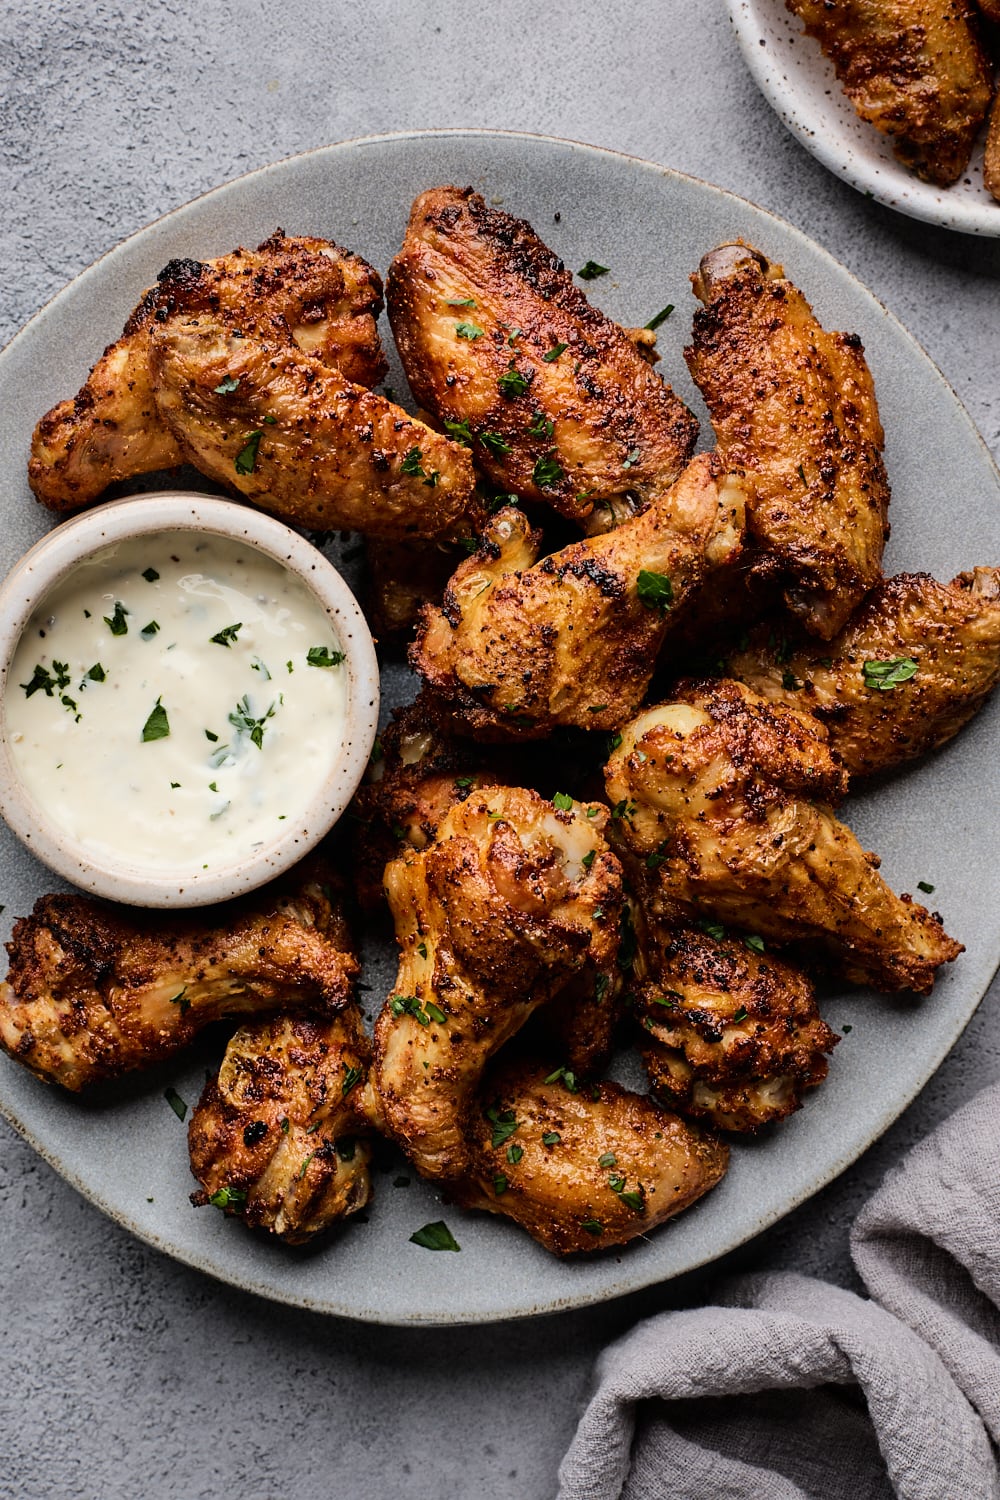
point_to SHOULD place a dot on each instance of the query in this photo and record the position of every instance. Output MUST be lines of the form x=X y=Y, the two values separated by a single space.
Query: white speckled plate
x=799 y=83
x=933 y=823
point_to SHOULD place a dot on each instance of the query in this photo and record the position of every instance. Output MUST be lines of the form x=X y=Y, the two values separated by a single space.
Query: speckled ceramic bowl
x=58 y=553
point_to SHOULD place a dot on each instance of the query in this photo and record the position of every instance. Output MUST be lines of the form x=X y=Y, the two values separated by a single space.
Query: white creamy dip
x=177 y=701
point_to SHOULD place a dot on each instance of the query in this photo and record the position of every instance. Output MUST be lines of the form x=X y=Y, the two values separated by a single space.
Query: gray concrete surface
x=122 y=1374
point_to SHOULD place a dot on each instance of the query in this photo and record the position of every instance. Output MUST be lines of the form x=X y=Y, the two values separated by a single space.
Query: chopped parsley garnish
x=116 y=622
x=551 y=1138
x=614 y=743
x=352 y=1077
x=463 y=781
x=227 y=634
x=514 y=1154
x=460 y=302
x=670 y=1000
x=436 y=1236
x=592 y=1226
x=547 y=471
x=410 y=1005
x=631 y=458
x=755 y=942
x=714 y=930
x=563 y=801
x=926 y=887
x=504 y=1122
x=657 y=858
x=150 y=575
x=411 y=464
x=567 y=1078
x=553 y=354
x=96 y=673
x=882 y=676
x=176 y=1103
x=148 y=631
x=588 y=858
x=246 y=460
x=540 y=426
x=802 y=475
x=228 y=1197
x=243 y=720
x=790 y=682
x=623 y=809
x=515 y=334
x=654 y=590
x=460 y=431
x=422 y=949
x=512 y=383
x=660 y=317
x=227 y=386
x=496 y=443
x=607 y=1160
x=740 y=1014
x=847 y=1029
x=470 y=331
x=210 y=736
x=601 y=987
x=305 y=1166
x=346 y=1148
x=181 y=1000
x=499 y=1184
x=322 y=656
x=592 y=270
x=157 y=726
x=43 y=681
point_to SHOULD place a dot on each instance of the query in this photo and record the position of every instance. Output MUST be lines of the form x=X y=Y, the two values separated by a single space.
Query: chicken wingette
x=583 y=1169
x=915 y=69
x=730 y=797
x=328 y=299
x=514 y=896
x=95 y=990
x=277 y=1138
x=909 y=669
x=793 y=406
x=520 y=646
x=558 y=403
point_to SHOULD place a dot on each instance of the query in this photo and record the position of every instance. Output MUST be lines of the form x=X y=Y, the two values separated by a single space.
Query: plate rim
x=620 y=1286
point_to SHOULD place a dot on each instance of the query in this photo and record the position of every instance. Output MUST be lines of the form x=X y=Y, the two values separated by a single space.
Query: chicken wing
x=328 y=299
x=731 y=1034
x=520 y=646
x=991 y=153
x=795 y=407
x=491 y=920
x=583 y=1170
x=915 y=69
x=556 y=401
x=277 y=1136
x=95 y=990
x=915 y=663
x=730 y=797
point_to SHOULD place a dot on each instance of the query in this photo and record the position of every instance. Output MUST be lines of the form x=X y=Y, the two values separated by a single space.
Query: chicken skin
x=583 y=1170
x=520 y=646
x=328 y=301
x=793 y=406
x=492 y=919
x=274 y=1139
x=731 y=796
x=730 y=1033
x=910 y=668
x=915 y=69
x=558 y=403
x=95 y=991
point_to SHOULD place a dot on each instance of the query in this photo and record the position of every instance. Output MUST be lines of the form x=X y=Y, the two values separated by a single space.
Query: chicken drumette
x=277 y=1137
x=795 y=408
x=95 y=990
x=557 y=402
x=915 y=663
x=520 y=646
x=731 y=797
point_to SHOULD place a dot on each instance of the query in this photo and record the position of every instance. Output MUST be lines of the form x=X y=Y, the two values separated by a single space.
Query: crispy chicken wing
x=491 y=920
x=731 y=1034
x=95 y=990
x=275 y=1136
x=991 y=153
x=915 y=663
x=327 y=298
x=558 y=403
x=583 y=1170
x=795 y=407
x=731 y=796
x=520 y=646
x=915 y=69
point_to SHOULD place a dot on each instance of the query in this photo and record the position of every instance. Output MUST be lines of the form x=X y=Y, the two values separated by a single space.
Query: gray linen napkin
x=791 y=1389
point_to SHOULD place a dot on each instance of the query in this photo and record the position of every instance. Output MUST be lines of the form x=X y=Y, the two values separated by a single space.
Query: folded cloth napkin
x=791 y=1389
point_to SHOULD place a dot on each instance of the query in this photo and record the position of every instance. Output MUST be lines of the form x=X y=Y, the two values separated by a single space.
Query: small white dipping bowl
x=59 y=554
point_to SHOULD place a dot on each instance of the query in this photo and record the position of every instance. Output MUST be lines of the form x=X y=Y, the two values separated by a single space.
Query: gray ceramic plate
x=801 y=87
x=650 y=226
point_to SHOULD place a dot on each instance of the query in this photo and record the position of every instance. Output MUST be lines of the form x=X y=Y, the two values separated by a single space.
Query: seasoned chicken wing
x=583 y=1170
x=915 y=663
x=731 y=797
x=731 y=1034
x=915 y=69
x=795 y=407
x=492 y=919
x=520 y=646
x=326 y=298
x=95 y=990
x=557 y=402
x=991 y=153
x=277 y=1137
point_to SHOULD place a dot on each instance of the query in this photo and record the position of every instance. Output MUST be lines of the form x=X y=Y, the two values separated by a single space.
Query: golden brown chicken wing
x=915 y=663
x=730 y=796
x=556 y=401
x=991 y=153
x=491 y=920
x=583 y=1169
x=277 y=1136
x=95 y=990
x=520 y=646
x=915 y=69
x=327 y=298
x=731 y=1033
x=795 y=407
